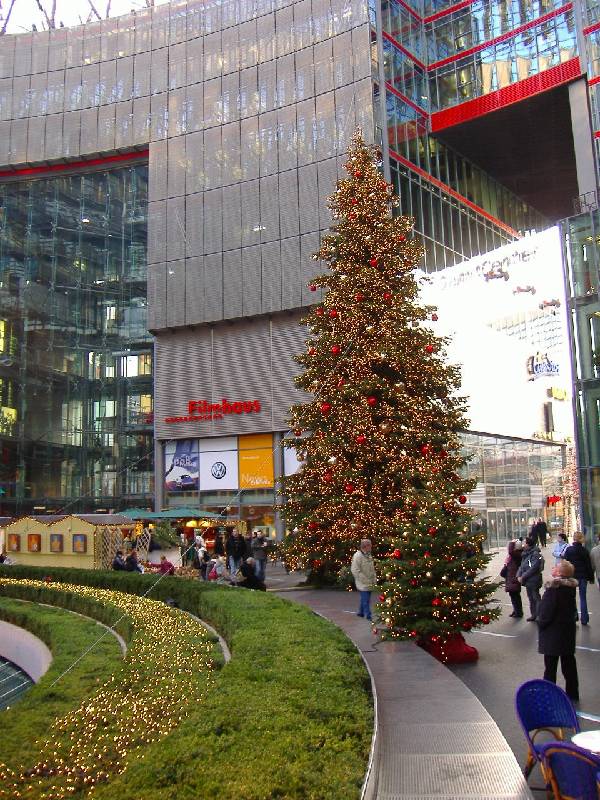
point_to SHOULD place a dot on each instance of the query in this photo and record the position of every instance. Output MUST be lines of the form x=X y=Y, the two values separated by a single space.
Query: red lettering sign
x=202 y=410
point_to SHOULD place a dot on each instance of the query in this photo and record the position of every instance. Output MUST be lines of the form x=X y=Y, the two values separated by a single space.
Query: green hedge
x=291 y=714
x=67 y=636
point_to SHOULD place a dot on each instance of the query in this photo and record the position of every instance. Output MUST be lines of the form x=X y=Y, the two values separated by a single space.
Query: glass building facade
x=76 y=409
x=582 y=258
x=514 y=479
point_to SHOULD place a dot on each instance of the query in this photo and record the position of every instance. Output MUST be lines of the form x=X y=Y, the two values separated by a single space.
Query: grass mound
x=289 y=717
x=67 y=636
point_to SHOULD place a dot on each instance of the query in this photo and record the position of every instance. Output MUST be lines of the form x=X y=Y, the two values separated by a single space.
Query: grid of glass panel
x=582 y=254
x=75 y=355
x=450 y=231
x=504 y=63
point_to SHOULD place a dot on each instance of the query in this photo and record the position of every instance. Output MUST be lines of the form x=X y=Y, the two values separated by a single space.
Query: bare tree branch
x=94 y=9
x=5 y=22
x=108 y=9
x=50 y=20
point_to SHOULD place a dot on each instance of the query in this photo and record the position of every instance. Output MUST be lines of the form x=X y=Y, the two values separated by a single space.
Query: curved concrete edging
x=222 y=642
x=433 y=737
x=367 y=787
x=25 y=650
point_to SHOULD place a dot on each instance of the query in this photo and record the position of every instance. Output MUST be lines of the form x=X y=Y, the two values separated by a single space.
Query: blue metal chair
x=543 y=706
x=572 y=771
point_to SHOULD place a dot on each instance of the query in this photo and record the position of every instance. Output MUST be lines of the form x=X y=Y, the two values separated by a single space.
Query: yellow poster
x=256 y=468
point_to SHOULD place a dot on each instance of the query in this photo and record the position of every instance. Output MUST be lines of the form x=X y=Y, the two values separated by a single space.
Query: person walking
x=529 y=575
x=595 y=559
x=584 y=573
x=556 y=622
x=511 y=584
x=363 y=571
x=235 y=548
x=533 y=531
x=558 y=551
x=542 y=531
x=259 y=554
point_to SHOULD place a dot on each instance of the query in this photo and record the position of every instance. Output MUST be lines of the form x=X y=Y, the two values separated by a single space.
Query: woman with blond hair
x=584 y=573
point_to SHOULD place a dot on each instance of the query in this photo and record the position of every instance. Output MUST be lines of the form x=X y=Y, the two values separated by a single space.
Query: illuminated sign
x=202 y=410
x=557 y=393
x=540 y=365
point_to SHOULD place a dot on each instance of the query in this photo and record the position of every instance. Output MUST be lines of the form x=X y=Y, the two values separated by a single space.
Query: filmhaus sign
x=203 y=411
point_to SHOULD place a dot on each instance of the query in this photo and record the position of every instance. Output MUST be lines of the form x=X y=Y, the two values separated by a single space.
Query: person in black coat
x=511 y=584
x=542 y=532
x=235 y=549
x=250 y=580
x=584 y=572
x=556 y=621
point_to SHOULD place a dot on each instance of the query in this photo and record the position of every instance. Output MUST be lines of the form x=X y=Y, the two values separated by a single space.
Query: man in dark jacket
x=584 y=572
x=529 y=575
x=236 y=551
x=119 y=562
x=556 y=620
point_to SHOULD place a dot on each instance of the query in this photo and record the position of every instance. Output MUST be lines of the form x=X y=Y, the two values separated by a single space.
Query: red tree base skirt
x=452 y=651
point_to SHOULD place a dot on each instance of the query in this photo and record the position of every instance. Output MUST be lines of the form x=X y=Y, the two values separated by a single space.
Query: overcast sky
x=26 y=12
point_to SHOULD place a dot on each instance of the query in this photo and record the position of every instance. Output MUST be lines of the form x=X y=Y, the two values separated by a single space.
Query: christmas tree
x=378 y=442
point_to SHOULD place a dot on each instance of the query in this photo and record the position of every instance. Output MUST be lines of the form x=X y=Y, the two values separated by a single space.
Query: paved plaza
x=451 y=732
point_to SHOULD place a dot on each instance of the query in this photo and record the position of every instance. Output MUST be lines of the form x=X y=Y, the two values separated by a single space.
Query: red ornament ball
x=435 y=638
x=397 y=553
x=361 y=438
x=354 y=201
x=402 y=238
x=429 y=348
x=436 y=601
x=336 y=349
x=373 y=262
x=312 y=526
x=414 y=582
x=341 y=383
x=425 y=449
x=462 y=499
x=372 y=400
x=297 y=432
x=381 y=598
x=349 y=488
x=414 y=504
x=311 y=351
x=434 y=317
x=432 y=531
x=312 y=287
x=466 y=626
x=325 y=408
x=352 y=215
x=328 y=477
x=319 y=312
x=359 y=297
x=412 y=634
x=333 y=313
x=357 y=173
x=387 y=296
x=426 y=554
x=485 y=619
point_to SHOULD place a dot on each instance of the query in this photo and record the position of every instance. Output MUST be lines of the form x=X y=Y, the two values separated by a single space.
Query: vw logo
x=218 y=470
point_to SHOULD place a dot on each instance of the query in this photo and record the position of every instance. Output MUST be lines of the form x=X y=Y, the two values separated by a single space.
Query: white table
x=588 y=740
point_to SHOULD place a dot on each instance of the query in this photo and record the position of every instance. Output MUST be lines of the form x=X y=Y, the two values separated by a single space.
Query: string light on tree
x=387 y=416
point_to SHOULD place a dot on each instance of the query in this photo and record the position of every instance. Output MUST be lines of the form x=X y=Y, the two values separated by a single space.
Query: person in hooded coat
x=557 y=629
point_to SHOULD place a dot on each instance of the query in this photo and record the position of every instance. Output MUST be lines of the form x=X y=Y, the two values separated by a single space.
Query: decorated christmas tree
x=378 y=440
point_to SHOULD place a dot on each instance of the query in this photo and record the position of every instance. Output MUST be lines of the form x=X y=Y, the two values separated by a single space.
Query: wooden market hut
x=87 y=541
